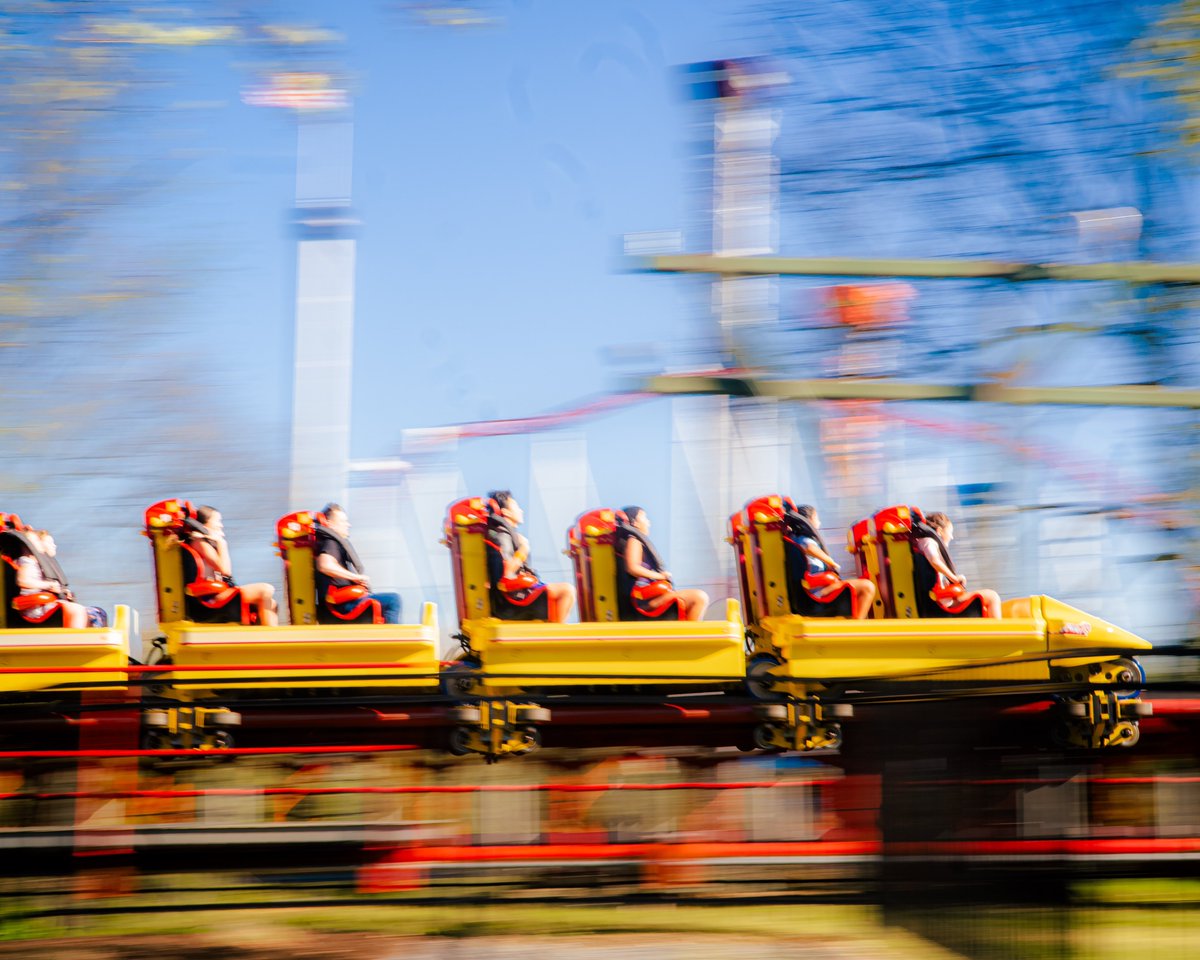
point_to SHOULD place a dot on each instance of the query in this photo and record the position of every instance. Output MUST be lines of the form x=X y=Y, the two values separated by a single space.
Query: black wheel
x=762 y=738
x=154 y=740
x=222 y=740
x=460 y=742
x=834 y=733
x=457 y=681
x=533 y=740
x=759 y=684
x=1127 y=674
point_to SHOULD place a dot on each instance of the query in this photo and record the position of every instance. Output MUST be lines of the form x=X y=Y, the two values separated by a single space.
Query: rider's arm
x=633 y=562
x=215 y=552
x=335 y=571
x=934 y=556
x=513 y=560
x=29 y=577
x=813 y=549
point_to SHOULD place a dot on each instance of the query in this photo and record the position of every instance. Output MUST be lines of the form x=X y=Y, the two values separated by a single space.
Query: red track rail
x=676 y=853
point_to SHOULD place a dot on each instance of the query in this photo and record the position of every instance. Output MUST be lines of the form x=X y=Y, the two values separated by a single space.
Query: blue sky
x=495 y=169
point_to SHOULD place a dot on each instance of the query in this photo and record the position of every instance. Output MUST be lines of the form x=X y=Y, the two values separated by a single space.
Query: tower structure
x=725 y=451
x=324 y=328
x=325 y=253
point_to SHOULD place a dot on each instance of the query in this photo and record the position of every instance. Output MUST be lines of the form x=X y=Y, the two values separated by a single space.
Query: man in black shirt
x=338 y=566
x=514 y=552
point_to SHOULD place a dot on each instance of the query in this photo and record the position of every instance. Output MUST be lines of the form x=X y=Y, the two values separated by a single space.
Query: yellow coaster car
x=45 y=648
x=32 y=637
x=303 y=655
x=815 y=661
x=505 y=656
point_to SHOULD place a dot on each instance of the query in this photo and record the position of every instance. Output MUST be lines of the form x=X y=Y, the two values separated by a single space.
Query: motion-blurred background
x=253 y=253
x=268 y=255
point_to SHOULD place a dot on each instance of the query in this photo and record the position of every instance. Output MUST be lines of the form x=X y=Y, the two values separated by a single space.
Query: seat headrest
x=168 y=515
x=10 y=521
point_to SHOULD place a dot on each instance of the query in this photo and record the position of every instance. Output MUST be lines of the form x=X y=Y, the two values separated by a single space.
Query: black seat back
x=14 y=544
x=505 y=606
x=802 y=602
x=194 y=609
x=626 y=608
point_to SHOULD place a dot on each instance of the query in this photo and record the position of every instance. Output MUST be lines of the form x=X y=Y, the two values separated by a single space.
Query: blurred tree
x=1169 y=56
x=1016 y=131
x=108 y=398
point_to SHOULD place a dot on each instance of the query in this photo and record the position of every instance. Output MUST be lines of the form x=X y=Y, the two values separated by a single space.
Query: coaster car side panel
x=59 y=647
x=413 y=648
x=618 y=653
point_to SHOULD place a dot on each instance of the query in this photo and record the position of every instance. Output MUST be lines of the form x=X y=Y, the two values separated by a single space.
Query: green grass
x=1170 y=929
x=1139 y=891
x=845 y=923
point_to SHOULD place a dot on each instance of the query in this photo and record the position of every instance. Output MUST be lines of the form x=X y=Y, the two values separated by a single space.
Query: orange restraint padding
x=819 y=581
x=212 y=593
x=952 y=597
x=351 y=591
x=348 y=594
x=524 y=580
x=650 y=591
x=28 y=601
x=647 y=593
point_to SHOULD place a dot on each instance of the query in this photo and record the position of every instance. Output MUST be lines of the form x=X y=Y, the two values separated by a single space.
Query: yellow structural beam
x=1129 y=272
x=850 y=388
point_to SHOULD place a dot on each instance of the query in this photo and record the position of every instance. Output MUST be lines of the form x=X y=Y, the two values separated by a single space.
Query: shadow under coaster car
x=811 y=665
x=41 y=641
x=504 y=657
x=405 y=654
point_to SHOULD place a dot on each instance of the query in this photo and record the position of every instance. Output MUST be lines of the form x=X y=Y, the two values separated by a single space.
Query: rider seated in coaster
x=646 y=583
x=947 y=591
x=206 y=541
x=514 y=583
x=820 y=578
x=96 y=616
x=40 y=576
x=343 y=587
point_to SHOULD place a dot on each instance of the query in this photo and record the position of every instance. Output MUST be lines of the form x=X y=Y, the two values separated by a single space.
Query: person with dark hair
x=821 y=574
x=651 y=588
x=949 y=591
x=338 y=568
x=516 y=578
x=206 y=537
